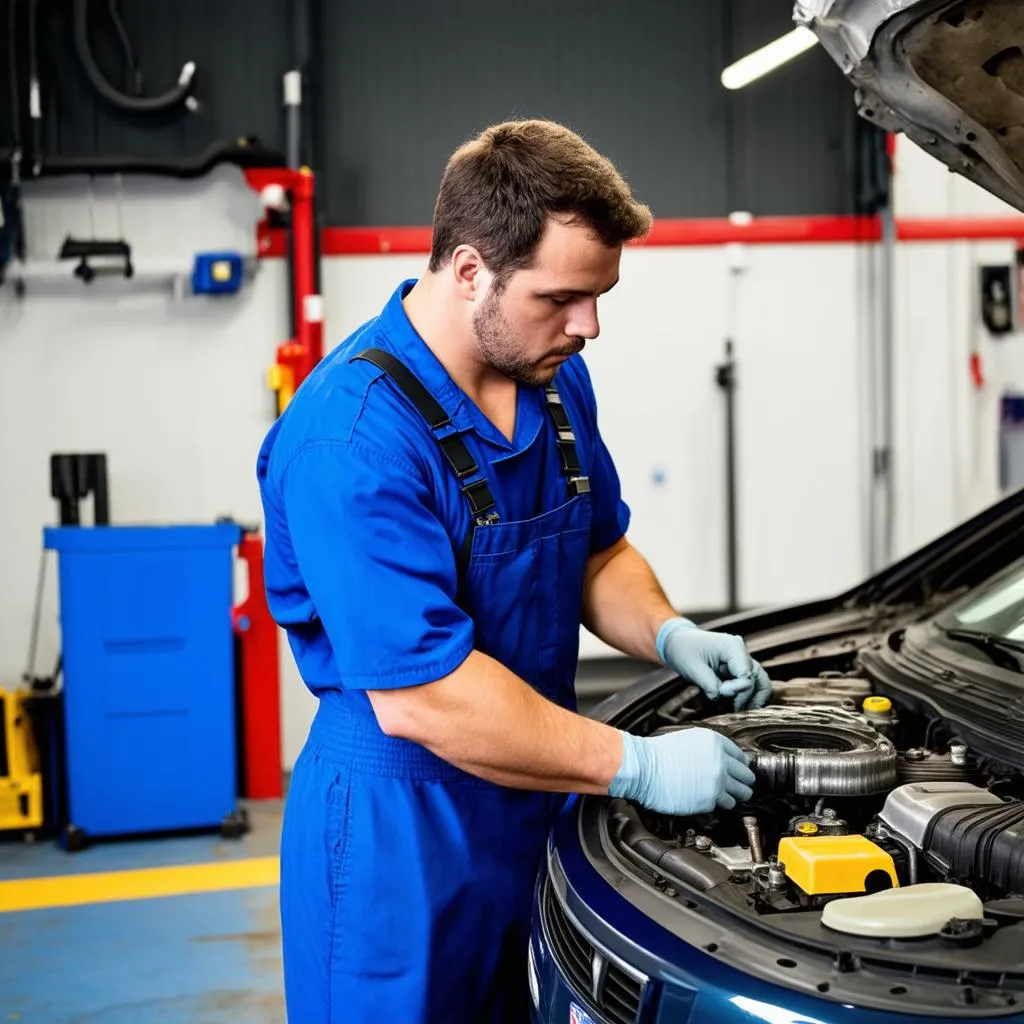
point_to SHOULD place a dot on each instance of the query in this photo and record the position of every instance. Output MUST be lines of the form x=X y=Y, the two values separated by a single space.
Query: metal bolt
x=915 y=754
x=828 y=813
x=754 y=837
x=702 y=843
x=968 y=995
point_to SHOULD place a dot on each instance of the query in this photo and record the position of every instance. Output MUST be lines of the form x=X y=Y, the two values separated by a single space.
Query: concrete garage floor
x=169 y=930
x=165 y=930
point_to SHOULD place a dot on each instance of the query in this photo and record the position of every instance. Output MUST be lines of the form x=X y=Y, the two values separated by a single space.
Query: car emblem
x=598 y=972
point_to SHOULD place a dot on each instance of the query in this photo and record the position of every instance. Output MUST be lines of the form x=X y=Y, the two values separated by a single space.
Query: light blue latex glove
x=685 y=772
x=718 y=663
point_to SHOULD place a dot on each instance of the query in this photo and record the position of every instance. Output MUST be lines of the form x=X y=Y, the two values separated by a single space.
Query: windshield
x=996 y=609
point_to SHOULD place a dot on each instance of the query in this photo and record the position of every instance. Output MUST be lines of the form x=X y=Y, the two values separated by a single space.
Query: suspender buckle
x=481 y=501
x=579 y=484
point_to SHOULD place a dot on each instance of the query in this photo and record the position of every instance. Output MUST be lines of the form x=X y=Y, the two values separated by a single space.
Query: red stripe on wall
x=696 y=232
x=923 y=229
x=361 y=241
x=763 y=231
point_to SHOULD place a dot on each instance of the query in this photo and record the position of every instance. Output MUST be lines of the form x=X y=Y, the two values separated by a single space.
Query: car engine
x=854 y=815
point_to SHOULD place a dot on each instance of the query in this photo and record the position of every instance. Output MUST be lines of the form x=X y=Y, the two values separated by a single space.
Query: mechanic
x=442 y=515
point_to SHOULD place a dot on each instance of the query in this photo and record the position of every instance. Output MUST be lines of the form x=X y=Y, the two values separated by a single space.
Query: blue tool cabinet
x=149 y=683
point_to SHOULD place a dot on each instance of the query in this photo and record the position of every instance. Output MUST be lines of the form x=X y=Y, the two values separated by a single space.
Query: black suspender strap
x=477 y=492
x=576 y=481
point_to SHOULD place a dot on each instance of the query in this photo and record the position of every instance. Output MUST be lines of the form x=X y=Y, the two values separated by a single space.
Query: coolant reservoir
x=912 y=912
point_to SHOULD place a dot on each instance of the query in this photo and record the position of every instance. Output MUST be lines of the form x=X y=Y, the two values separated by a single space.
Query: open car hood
x=947 y=73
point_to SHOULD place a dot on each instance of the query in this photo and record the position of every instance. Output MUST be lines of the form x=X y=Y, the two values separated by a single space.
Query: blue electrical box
x=217 y=273
x=149 y=676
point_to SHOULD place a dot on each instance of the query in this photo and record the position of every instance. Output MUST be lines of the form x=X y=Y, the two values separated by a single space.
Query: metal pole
x=882 y=498
x=726 y=380
x=293 y=118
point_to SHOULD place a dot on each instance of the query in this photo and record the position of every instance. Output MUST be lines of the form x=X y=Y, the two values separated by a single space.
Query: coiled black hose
x=176 y=97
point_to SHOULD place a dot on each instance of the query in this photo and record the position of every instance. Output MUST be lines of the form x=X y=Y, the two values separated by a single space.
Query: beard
x=502 y=349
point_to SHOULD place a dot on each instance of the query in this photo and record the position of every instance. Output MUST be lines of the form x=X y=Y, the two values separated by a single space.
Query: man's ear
x=471 y=277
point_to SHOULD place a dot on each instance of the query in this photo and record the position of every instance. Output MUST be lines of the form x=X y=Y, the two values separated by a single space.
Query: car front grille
x=609 y=989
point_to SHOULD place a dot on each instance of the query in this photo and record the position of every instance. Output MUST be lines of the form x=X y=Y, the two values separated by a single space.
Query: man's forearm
x=624 y=604
x=485 y=720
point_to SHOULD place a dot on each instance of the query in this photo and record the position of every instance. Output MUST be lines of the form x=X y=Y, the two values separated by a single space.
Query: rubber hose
x=684 y=865
x=694 y=868
x=133 y=105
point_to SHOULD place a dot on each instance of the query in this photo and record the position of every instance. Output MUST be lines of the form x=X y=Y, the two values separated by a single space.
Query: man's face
x=546 y=312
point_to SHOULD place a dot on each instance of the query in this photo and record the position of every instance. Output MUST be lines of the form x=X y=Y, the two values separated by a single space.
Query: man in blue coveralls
x=441 y=516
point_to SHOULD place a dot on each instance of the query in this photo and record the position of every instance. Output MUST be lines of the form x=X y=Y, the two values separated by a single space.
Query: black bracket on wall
x=75 y=476
x=96 y=248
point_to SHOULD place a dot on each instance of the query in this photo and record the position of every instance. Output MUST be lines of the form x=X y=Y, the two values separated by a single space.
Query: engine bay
x=872 y=817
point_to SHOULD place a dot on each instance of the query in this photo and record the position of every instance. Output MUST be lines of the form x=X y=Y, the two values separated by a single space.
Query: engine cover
x=966 y=830
x=812 y=751
x=911 y=810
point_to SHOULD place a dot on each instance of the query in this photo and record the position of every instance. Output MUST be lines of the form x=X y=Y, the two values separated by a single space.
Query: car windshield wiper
x=1002 y=650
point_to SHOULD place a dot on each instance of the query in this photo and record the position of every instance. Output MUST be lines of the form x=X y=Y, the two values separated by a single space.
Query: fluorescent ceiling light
x=768 y=58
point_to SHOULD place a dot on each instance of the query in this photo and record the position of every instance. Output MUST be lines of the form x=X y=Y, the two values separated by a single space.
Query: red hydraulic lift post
x=297 y=356
x=281 y=189
x=261 y=680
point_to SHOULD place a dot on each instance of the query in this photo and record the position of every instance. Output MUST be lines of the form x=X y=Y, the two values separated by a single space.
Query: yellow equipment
x=21 y=785
x=823 y=865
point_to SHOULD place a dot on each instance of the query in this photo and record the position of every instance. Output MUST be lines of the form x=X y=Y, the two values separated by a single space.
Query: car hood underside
x=947 y=73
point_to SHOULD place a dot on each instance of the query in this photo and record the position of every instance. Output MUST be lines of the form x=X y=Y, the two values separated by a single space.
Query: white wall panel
x=173 y=391
x=799 y=401
x=947 y=430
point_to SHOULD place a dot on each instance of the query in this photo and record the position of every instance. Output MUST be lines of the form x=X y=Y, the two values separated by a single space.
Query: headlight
x=531 y=971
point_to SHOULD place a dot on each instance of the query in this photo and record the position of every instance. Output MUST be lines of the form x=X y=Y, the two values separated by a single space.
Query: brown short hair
x=499 y=189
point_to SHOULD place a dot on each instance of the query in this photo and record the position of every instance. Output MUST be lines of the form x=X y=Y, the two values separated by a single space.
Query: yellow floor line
x=138 y=884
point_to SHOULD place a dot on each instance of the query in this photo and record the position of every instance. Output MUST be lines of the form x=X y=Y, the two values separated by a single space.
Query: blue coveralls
x=406 y=882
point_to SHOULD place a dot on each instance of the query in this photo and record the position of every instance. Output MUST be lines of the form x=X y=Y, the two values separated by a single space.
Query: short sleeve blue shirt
x=364 y=517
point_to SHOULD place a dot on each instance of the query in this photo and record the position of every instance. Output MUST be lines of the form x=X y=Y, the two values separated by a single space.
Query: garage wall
x=174 y=391
x=404 y=84
x=946 y=428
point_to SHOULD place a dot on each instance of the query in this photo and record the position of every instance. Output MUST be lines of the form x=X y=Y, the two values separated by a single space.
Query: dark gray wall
x=408 y=82
x=403 y=82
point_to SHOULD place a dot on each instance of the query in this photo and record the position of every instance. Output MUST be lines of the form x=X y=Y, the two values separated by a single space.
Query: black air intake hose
x=130 y=104
x=678 y=862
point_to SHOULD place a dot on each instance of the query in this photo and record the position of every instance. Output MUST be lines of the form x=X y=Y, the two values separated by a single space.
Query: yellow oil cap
x=807 y=828
x=835 y=864
x=879 y=705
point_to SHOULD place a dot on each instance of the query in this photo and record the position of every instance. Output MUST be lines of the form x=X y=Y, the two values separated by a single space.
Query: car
x=877 y=874
x=949 y=74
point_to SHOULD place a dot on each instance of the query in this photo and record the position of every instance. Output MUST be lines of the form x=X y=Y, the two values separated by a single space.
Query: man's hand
x=690 y=771
x=716 y=662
